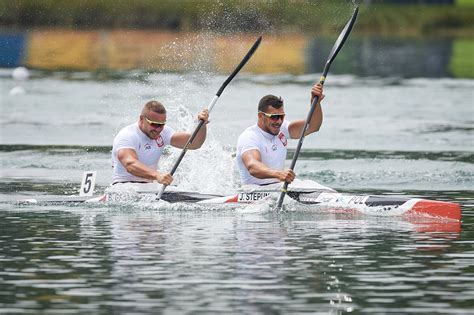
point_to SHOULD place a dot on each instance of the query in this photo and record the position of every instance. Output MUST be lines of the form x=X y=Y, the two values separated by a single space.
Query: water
x=389 y=135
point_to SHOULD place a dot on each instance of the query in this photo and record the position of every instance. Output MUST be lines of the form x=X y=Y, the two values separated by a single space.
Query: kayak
x=422 y=215
x=303 y=192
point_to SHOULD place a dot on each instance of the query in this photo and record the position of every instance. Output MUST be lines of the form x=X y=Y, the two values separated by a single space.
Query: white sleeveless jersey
x=148 y=150
x=272 y=151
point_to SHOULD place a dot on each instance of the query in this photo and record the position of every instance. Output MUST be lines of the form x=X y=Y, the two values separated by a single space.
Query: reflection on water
x=297 y=54
x=95 y=259
x=76 y=260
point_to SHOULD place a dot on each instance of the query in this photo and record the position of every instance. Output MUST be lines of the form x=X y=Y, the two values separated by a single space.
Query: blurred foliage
x=95 y=13
x=417 y=20
x=465 y=3
x=462 y=63
x=309 y=16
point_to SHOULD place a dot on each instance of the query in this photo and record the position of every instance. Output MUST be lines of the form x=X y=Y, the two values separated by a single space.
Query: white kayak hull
x=303 y=192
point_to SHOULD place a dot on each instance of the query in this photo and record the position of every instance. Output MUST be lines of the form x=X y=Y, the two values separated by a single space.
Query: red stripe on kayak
x=437 y=209
x=233 y=199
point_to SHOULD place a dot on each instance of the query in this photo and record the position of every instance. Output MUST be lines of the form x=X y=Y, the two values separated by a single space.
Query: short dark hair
x=154 y=106
x=270 y=100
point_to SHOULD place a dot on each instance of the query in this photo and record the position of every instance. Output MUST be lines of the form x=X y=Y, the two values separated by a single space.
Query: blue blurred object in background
x=12 y=48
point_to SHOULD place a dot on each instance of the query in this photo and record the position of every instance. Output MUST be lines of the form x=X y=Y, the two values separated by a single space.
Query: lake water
x=384 y=135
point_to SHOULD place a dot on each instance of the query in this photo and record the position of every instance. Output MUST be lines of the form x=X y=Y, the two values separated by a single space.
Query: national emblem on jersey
x=147 y=146
x=159 y=141
x=282 y=138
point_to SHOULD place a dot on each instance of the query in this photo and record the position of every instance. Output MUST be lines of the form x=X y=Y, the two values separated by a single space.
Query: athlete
x=262 y=148
x=138 y=147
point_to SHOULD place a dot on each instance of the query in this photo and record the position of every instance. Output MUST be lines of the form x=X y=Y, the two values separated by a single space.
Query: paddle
x=211 y=105
x=332 y=55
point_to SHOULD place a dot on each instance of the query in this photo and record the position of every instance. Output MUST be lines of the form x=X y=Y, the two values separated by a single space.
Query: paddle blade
x=240 y=65
x=341 y=40
x=334 y=51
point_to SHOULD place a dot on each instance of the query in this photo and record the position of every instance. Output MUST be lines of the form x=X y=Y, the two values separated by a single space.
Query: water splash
x=228 y=17
x=208 y=170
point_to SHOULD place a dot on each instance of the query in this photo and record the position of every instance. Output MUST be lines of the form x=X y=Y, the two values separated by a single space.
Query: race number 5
x=88 y=183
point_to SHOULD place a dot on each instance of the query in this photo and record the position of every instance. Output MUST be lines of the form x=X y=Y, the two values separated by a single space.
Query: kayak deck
x=305 y=194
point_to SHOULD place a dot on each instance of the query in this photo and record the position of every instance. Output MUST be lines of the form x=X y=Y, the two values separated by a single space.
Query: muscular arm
x=129 y=159
x=296 y=127
x=179 y=139
x=253 y=162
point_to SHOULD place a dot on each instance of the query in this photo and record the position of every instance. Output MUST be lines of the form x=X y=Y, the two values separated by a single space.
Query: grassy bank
x=239 y=16
x=462 y=63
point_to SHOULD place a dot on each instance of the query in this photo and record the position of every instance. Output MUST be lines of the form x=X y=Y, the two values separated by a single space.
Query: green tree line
x=308 y=16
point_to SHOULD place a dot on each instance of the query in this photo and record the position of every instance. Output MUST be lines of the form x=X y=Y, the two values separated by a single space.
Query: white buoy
x=17 y=90
x=20 y=73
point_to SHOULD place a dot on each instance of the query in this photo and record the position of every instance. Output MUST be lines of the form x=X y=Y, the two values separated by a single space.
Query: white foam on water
x=207 y=170
x=269 y=204
x=17 y=90
x=20 y=73
x=261 y=206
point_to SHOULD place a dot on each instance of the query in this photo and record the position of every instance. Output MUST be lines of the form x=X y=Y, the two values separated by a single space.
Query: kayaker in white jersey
x=262 y=148
x=138 y=147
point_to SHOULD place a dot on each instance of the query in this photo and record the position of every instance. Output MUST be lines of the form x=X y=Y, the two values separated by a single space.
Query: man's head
x=152 y=119
x=271 y=114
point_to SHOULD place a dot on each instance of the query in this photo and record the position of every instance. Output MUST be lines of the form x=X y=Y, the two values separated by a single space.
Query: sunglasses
x=274 y=117
x=155 y=124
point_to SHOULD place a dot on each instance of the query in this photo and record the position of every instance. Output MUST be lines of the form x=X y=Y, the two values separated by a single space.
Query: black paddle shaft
x=218 y=94
x=240 y=65
x=186 y=147
x=216 y=97
x=332 y=55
